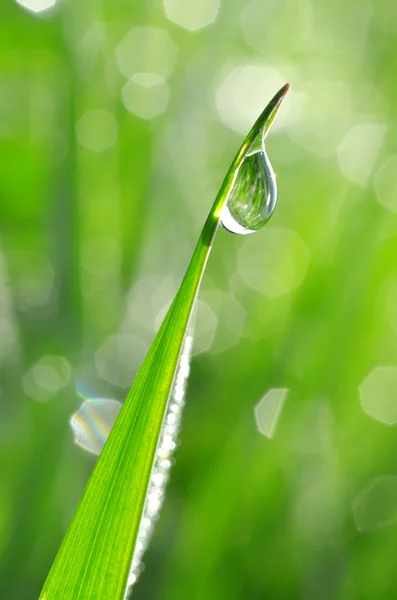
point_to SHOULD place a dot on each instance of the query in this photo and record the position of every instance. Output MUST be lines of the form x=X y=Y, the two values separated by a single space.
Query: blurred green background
x=118 y=122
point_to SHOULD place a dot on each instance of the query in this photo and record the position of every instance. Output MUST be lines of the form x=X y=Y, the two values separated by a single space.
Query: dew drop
x=254 y=193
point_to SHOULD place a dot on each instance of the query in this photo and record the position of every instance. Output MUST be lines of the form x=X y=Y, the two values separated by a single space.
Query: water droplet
x=254 y=193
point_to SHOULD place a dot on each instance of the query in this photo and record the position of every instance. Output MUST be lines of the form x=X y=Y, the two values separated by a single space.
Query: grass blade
x=95 y=557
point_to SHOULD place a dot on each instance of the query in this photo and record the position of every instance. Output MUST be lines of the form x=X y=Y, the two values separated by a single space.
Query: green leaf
x=95 y=557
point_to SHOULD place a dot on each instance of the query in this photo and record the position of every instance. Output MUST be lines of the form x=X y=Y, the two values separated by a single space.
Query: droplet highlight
x=254 y=194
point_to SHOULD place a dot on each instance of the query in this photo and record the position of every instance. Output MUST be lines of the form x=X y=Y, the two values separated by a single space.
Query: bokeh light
x=118 y=358
x=37 y=6
x=192 y=16
x=358 y=151
x=46 y=378
x=375 y=507
x=97 y=130
x=274 y=265
x=92 y=423
x=146 y=95
x=146 y=50
x=378 y=394
x=239 y=97
x=148 y=301
x=268 y=411
x=285 y=19
x=312 y=129
x=230 y=321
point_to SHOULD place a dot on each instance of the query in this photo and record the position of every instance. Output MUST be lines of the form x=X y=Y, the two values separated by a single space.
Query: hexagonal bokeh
x=358 y=151
x=92 y=423
x=97 y=130
x=117 y=360
x=37 y=6
x=146 y=95
x=315 y=112
x=46 y=377
x=386 y=190
x=268 y=411
x=274 y=264
x=146 y=50
x=231 y=317
x=378 y=394
x=146 y=301
x=205 y=328
x=375 y=507
x=286 y=18
x=192 y=15
x=240 y=95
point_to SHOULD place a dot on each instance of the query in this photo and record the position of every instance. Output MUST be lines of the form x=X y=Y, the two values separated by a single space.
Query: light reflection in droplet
x=375 y=507
x=253 y=196
x=378 y=394
x=92 y=423
x=268 y=411
x=192 y=15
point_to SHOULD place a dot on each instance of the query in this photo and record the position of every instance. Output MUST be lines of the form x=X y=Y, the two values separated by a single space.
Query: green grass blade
x=94 y=560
